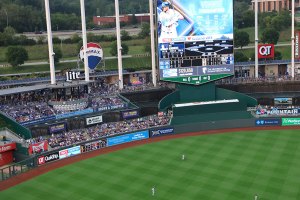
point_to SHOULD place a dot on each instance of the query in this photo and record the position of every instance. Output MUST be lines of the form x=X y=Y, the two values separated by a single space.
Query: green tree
x=114 y=51
x=58 y=54
x=16 y=55
x=270 y=35
x=241 y=39
x=277 y=55
x=145 y=31
x=125 y=35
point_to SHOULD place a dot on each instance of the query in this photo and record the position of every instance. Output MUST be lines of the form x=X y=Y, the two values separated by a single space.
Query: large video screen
x=195 y=40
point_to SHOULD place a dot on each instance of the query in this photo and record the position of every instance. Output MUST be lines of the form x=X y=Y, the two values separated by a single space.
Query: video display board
x=195 y=40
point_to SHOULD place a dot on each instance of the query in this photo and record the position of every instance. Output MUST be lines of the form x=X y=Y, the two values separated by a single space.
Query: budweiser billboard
x=297 y=37
x=7 y=147
x=38 y=147
x=266 y=51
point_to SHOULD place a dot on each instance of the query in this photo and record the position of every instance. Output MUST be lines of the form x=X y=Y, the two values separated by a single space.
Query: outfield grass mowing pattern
x=229 y=166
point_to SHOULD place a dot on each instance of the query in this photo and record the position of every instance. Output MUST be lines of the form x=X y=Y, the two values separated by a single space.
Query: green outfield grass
x=229 y=166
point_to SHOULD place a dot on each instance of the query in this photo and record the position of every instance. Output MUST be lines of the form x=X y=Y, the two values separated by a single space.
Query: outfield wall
x=84 y=147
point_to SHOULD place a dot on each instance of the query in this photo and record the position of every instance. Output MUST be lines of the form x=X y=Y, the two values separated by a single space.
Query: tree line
x=29 y=15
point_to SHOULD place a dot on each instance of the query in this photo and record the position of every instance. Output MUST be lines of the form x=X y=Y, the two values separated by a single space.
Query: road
x=68 y=34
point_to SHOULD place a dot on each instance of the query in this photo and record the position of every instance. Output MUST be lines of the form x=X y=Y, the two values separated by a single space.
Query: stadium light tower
x=293 y=39
x=256 y=38
x=50 y=45
x=152 y=42
x=119 y=47
x=83 y=25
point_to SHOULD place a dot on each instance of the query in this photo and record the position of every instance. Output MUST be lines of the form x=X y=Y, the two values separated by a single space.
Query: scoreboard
x=201 y=49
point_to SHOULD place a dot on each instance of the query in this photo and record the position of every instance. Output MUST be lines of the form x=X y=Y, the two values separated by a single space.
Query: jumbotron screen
x=195 y=40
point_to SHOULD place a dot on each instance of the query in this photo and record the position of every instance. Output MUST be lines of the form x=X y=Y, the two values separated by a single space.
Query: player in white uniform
x=153 y=190
x=169 y=21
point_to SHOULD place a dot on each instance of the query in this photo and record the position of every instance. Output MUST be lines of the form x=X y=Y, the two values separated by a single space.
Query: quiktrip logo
x=94 y=54
x=266 y=51
x=48 y=158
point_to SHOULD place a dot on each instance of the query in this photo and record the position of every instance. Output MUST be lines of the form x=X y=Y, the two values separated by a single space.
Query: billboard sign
x=94 y=54
x=38 y=147
x=48 y=158
x=130 y=114
x=59 y=127
x=94 y=120
x=266 y=51
x=74 y=151
x=195 y=40
x=267 y=122
x=127 y=138
x=161 y=131
x=290 y=121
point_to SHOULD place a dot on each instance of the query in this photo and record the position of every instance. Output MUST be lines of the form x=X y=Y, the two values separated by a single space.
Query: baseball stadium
x=197 y=125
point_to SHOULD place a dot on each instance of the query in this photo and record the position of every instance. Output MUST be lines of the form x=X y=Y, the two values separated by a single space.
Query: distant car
x=38 y=32
x=96 y=28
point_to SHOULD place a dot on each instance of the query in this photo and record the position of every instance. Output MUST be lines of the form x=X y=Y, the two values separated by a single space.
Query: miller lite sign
x=266 y=51
x=94 y=54
x=71 y=75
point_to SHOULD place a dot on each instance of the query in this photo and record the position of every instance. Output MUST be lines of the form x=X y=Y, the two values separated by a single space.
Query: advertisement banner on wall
x=128 y=138
x=59 y=127
x=63 y=154
x=94 y=120
x=7 y=147
x=48 y=158
x=267 y=122
x=74 y=151
x=161 y=131
x=130 y=114
x=38 y=147
x=290 y=121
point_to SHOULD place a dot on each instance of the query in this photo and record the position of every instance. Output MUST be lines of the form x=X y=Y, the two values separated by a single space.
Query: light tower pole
x=83 y=24
x=119 y=47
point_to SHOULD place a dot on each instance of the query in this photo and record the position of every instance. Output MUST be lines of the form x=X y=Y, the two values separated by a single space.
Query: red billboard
x=7 y=147
x=38 y=147
x=266 y=51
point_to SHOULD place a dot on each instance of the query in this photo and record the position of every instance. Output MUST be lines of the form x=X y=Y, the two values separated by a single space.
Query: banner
x=267 y=122
x=104 y=108
x=130 y=114
x=63 y=154
x=75 y=113
x=74 y=151
x=48 y=158
x=7 y=147
x=94 y=120
x=128 y=138
x=40 y=120
x=161 y=131
x=266 y=51
x=297 y=35
x=290 y=121
x=277 y=111
x=38 y=147
x=60 y=127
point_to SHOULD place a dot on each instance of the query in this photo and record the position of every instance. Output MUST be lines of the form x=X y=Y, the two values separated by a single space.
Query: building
x=143 y=17
x=274 y=5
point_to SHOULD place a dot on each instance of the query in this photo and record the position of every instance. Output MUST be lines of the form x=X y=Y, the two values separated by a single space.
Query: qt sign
x=266 y=51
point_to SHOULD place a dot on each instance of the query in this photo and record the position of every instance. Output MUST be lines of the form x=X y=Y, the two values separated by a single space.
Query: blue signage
x=128 y=138
x=267 y=122
x=74 y=151
x=161 y=131
x=40 y=120
x=71 y=114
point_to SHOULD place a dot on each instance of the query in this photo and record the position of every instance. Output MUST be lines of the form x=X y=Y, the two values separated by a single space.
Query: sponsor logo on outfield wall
x=48 y=158
x=290 y=121
x=267 y=122
x=161 y=131
x=128 y=138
